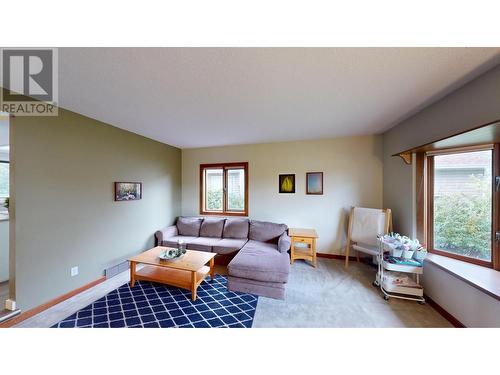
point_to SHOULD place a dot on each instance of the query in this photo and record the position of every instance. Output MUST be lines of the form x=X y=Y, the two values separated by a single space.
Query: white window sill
x=4 y=216
x=485 y=279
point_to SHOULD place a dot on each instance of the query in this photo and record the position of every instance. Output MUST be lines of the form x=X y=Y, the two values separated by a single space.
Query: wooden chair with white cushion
x=365 y=224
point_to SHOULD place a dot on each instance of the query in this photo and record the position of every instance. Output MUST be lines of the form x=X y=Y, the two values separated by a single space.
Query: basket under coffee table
x=186 y=272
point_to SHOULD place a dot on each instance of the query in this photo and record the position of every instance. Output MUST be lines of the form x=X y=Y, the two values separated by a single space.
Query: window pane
x=463 y=203
x=236 y=190
x=213 y=189
x=4 y=180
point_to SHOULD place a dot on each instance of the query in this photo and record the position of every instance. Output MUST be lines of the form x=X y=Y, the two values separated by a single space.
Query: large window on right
x=460 y=204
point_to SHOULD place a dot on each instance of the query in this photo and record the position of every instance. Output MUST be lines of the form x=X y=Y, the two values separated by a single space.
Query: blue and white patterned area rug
x=156 y=305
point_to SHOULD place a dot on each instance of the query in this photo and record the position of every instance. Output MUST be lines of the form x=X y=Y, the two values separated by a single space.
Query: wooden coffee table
x=186 y=272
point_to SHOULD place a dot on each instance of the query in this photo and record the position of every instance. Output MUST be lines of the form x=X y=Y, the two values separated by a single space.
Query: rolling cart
x=388 y=271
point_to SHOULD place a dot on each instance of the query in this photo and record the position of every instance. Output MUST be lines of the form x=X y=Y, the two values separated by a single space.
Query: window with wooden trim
x=461 y=204
x=224 y=189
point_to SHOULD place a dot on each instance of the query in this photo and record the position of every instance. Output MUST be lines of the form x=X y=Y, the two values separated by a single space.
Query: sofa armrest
x=164 y=233
x=284 y=243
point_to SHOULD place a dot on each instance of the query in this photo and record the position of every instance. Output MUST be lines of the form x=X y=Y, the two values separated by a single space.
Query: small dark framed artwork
x=128 y=191
x=287 y=183
x=314 y=183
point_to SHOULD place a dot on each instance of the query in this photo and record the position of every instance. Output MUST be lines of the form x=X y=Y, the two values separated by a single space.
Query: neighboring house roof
x=464 y=161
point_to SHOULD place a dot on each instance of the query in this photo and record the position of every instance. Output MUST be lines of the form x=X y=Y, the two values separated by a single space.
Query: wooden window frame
x=225 y=167
x=425 y=202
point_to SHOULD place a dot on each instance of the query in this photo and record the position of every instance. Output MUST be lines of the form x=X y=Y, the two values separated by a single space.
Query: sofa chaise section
x=262 y=266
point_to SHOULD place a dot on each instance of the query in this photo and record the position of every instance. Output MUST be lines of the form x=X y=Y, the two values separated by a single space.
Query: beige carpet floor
x=328 y=296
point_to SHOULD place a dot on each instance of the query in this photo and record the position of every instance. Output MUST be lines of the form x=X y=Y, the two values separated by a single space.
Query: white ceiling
x=196 y=97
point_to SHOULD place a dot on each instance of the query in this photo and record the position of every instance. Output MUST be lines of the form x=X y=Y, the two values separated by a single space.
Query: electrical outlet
x=74 y=271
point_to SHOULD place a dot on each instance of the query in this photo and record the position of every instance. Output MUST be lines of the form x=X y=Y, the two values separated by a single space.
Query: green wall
x=64 y=215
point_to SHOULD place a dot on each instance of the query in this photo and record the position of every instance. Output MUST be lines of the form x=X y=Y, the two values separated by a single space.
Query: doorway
x=4 y=212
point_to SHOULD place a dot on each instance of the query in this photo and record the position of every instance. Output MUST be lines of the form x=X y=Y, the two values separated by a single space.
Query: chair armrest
x=164 y=233
x=284 y=243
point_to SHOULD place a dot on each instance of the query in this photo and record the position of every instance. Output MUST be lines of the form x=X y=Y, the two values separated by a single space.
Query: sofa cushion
x=212 y=227
x=172 y=241
x=265 y=231
x=228 y=245
x=189 y=226
x=236 y=228
x=202 y=243
x=166 y=232
x=260 y=261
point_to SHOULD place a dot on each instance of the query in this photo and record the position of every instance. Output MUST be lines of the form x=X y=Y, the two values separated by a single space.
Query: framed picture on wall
x=314 y=183
x=128 y=191
x=287 y=183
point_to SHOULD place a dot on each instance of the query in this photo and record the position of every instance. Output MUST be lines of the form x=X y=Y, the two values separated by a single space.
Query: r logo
x=27 y=73
x=29 y=81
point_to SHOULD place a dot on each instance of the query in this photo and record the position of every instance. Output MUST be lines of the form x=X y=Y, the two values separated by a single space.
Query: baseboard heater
x=115 y=270
x=7 y=314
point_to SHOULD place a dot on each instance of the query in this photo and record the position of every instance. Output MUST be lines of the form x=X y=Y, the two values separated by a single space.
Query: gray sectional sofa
x=261 y=263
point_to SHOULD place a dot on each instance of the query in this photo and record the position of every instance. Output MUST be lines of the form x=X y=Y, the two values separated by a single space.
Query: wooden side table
x=303 y=236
